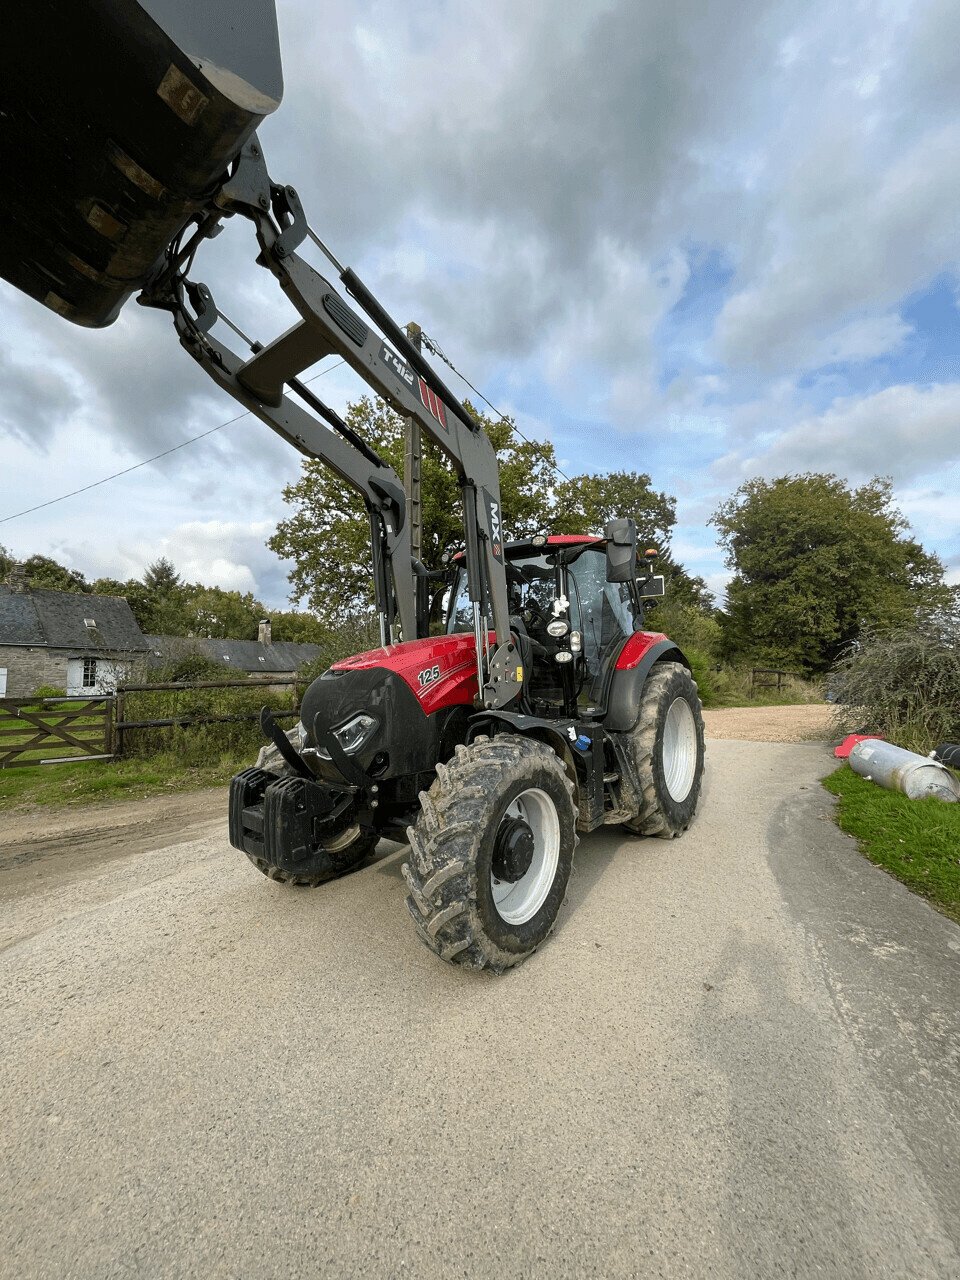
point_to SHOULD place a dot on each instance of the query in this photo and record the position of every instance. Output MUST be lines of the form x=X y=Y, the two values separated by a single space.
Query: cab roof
x=515 y=550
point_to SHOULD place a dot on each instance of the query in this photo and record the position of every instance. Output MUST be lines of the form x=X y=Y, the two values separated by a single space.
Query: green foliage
x=327 y=534
x=902 y=682
x=45 y=574
x=186 y=665
x=918 y=841
x=584 y=504
x=49 y=691
x=689 y=626
x=297 y=628
x=704 y=672
x=196 y=744
x=816 y=561
x=161 y=577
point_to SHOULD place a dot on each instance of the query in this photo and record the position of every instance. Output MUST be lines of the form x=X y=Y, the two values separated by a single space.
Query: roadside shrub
x=703 y=668
x=49 y=691
x=689 y=627
x=902 y=682
x=190 y=664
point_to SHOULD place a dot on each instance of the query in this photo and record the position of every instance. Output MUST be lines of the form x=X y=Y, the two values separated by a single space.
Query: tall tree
x=586 y=503
x=814 y=561
x=297 y=627
x=327 y=535
x=161 y=576
x=49 y=575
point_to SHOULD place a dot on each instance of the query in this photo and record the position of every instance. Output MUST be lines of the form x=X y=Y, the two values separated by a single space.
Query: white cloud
x=902 y=431
x=845 y=237
x=531 y=183
x=862 y=340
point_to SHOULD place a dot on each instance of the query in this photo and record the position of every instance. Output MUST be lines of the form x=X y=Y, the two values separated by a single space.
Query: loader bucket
x=118 y=120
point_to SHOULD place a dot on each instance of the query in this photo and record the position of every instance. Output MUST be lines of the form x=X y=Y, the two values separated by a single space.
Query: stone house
x=80 y=643
x=87 y=644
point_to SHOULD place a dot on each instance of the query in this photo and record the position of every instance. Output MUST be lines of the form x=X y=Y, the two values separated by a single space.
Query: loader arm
x=390 y=365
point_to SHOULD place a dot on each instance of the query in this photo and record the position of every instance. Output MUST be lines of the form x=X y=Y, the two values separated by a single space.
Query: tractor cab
x=571 y=621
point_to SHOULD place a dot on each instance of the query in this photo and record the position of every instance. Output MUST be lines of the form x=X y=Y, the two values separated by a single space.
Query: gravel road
x=737 y=1057
x=770 y=724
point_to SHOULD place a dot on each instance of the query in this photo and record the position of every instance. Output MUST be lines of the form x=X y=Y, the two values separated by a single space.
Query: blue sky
x=706 y=242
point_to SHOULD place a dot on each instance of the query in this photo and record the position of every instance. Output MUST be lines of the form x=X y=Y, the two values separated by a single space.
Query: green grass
x=104 y=780
x=918 y=841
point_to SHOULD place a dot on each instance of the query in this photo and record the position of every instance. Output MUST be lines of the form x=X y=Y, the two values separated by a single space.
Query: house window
x=89 y=673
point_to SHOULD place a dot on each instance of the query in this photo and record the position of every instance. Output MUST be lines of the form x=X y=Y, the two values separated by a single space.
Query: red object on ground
x=846 y=746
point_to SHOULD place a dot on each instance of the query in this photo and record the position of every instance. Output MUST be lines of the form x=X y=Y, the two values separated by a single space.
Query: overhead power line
x=435 y=349
x=146 y=461
x=428 y=342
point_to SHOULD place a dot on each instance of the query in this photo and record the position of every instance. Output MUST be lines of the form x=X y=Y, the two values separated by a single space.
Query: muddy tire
x=667 y=749
x=345 y=854
x=491 y=853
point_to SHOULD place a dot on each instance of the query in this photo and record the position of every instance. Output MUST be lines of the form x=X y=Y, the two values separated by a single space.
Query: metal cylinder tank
x=892 y=767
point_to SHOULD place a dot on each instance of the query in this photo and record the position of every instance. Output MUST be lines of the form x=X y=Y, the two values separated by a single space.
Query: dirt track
x=70 y=843
x=734 y=1059
x=73 y=842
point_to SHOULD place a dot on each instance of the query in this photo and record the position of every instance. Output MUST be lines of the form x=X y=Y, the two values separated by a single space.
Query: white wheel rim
x=519 y=901
x=679 y=749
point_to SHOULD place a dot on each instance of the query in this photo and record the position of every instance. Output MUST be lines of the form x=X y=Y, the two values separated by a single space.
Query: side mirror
x=621 y=536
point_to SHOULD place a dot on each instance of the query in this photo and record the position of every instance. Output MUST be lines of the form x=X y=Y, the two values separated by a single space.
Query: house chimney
x=17 y=579
x=263 y=631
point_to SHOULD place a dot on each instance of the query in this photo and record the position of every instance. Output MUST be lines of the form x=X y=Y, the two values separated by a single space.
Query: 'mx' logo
x=493 y=519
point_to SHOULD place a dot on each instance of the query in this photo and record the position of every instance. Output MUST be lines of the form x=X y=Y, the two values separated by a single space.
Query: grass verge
x=918 y=841
x=99 y=780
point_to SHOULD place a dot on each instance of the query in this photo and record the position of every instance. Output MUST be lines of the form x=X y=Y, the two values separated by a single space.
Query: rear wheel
x=668 y=750
x=491 y=853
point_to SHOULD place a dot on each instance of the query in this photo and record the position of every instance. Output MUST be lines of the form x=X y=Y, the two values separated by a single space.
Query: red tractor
x=545 y=709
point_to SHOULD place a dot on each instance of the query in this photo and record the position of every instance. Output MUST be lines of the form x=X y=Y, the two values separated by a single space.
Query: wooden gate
x=54 y=730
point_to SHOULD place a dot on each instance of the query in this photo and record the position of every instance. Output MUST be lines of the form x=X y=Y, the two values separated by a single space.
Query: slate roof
x=56 y=619
x=239 y=655
x=19 y=623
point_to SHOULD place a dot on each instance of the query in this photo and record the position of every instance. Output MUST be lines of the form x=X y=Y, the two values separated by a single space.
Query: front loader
x=544 y=709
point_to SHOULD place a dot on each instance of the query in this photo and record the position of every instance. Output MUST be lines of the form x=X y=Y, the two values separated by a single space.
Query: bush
x=705 y=674
x=689 y=627
x=903 y=683
x=49 y=691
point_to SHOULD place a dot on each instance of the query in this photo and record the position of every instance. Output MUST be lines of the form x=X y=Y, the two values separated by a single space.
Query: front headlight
x=353 y=734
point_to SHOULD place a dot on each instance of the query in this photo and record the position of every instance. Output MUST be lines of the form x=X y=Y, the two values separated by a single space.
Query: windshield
x=530 y=589
x=601 y=610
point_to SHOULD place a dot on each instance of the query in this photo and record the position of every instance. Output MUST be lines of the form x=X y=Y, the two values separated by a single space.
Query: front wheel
x=491 y=853
x=667 y=749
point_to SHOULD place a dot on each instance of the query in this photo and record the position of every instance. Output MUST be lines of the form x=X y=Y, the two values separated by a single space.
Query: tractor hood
x=119 y=121
x=441 y=670
x=412 y=695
